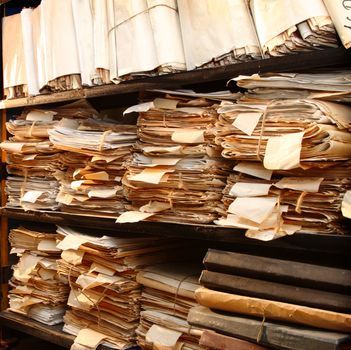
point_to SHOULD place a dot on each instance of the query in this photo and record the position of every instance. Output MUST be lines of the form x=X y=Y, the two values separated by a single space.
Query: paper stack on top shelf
x=288 y=26
x=37 y=290
x=167 y=295
x=95 y=155
x=176 y=173
x=104 y=297
x=272 y=302
x=33 y=161
x=293 y=170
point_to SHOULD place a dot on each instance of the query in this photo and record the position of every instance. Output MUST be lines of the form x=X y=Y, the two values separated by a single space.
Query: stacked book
x=176 y=173
x=94 y=159
x=104 y=298
x=293 y=154
x=275 y=303
x=168 y=293
x=37 y=290
x=33 y=161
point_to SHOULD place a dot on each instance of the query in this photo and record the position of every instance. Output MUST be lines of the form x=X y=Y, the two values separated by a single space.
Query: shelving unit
x=329 y=246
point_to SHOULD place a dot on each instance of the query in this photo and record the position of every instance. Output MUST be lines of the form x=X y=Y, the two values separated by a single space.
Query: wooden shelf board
x=297 y=62
x=52 y=334
x=308 y=243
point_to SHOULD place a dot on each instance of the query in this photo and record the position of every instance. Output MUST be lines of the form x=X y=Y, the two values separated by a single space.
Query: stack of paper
x=13 y=61
x=37 y=290
x=294 y=155
x=289 y=26
x=167 y=295
x=216 y=33
x=95 y=157
x=176 y=173
x=33 y=161
x=325 y=85
x=101 y=271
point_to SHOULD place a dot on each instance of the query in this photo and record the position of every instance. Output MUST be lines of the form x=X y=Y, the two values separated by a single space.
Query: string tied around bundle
x=103 y=138
x=260 y=331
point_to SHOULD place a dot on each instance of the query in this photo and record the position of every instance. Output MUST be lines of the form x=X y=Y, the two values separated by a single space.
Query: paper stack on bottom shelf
x=167 y=295
x=37 y=290
x=104 y=298
x=278 y=303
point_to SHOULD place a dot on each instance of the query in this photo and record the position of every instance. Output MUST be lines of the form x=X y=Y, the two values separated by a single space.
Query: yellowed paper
x=132 y=216
x=165 y=103
x=76 y=184
x=95 y=267
x=304 y=184
x=151 y=175
x=31 y=196
x=162 y=338
x=346 y=205
x=155 y=207
x=164 y=161
x=254 y=169
x=74 y=257
x=100 y=176
x=141 y=107
x=89 y=338
x=247 y=122
x=107 y=159
x=283 y=152
x=29 y=156
x=188 y=136
x=255 y=209
x=64 y=198
x=248 y=189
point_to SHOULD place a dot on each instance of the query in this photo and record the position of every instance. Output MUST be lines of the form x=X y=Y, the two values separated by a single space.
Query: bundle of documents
x=33 y=162
x=176 y=173
x=104 y=295
x=289 y=26
x=37 y=289
x=167 y=295
x=217 y=33
x=95 y=155
x=296 y=293
x=294 y=156
x=324 y=85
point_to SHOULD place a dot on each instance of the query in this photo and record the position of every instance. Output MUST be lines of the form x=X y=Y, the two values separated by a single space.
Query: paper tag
x=74 y=257
x=248 y=189
x=304 y=184
x=253 y=208
x=247 y=122
x=132 y=216
x=165 y=103
x=151 y=175
x=254 y=169
x=160 y=336
x=188 y=136
x=283 y=152
x=31 y=196
x=72 y=242
x=42 y=116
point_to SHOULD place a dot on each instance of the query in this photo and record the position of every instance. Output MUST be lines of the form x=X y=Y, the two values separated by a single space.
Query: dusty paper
x=274 y=310
x=165 y=103
x=255 y=209
x=72 y=242
x=31 y=196
x=89 y=338
x=132 y=216
x=74 y=257
x=346 y=205
x=151 y=175
x=340 y=13
x=283 y=152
